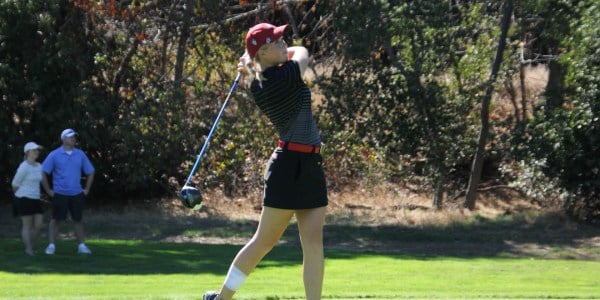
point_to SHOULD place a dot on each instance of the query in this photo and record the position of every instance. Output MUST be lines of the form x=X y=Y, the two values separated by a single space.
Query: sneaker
x=83 y=249
x=50 y=249
x=210 y=296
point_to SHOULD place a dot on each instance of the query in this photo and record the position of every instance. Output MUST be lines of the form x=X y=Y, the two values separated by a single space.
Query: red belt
x=298 y=147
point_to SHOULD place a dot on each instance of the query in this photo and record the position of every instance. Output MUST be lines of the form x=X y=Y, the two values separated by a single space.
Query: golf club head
x=191 y=197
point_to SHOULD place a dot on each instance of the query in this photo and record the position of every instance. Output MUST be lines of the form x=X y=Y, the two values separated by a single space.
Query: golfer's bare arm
x=299 y=54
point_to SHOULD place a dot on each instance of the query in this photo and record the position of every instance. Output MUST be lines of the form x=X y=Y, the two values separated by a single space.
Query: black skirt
x=26 y=206
x=295 y=180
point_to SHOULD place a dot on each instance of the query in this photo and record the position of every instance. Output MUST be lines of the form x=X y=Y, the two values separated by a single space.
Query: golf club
x=189 y=195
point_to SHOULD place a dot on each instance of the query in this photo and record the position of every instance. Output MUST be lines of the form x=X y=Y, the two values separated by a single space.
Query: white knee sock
x=235 y=278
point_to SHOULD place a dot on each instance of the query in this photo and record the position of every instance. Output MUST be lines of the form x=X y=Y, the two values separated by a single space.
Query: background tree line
x=406 y=88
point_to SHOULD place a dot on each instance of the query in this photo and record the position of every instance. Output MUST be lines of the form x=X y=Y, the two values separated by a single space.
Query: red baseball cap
x=263 y=33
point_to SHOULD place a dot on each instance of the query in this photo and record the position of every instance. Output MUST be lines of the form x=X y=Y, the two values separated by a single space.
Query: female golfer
x=294 y=177
x=26 y=185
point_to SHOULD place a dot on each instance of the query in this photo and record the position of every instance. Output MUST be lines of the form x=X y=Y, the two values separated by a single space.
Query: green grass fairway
x=154 y=270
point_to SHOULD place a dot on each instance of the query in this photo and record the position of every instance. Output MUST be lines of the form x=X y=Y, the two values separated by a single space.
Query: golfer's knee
x=312 y=244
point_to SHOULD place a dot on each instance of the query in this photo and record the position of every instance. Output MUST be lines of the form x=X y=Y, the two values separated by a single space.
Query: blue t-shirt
x=66 y=170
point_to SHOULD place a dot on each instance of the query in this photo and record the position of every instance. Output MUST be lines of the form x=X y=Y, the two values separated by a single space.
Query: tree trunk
x=523 y=92
x=553 y=93
x=438 y=193
x=477 y=166
x=510 y=88
x=183 y=38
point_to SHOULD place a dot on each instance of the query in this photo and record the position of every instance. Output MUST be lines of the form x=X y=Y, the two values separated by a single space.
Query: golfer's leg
x=310 y=226
x=26 y=233
x=271 y=226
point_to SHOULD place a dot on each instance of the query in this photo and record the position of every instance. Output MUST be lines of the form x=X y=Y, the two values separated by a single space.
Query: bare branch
x=260 y=7
x=539 y=58
x=292 y=21
x=490 y=188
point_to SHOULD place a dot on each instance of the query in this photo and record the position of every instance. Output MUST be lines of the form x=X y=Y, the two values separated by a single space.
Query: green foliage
x=568 y=138
x=544 y=24
x=412 y=95
x=104 y=69
x=41 y=68
x=240 y=148
x=358 y=20
x=142 y=82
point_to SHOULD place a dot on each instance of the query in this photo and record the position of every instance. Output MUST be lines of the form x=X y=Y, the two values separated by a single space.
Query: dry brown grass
x=384 y=204
x=389 y=204
x=536 y=78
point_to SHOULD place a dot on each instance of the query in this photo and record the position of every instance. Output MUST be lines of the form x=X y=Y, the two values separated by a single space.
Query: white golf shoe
x=83 y=249
x=50 y=249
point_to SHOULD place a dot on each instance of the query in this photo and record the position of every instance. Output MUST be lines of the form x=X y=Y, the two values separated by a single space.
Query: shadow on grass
x=119 y=257
x=133 y=257
x=547 y=235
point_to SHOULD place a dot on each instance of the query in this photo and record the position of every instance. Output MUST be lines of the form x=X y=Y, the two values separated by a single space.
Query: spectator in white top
x=26 y=186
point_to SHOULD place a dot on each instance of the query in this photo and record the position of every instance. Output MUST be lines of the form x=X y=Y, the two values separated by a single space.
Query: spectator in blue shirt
x=66 y=164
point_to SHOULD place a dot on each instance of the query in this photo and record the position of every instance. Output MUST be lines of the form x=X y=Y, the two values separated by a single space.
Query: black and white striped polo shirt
x=285 y=99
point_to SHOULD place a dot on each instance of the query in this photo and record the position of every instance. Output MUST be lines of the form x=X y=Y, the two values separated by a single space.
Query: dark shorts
x=295 y=180
x=63 y=203
x=27 y=207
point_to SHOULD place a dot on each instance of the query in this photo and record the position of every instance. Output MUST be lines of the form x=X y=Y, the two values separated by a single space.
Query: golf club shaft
x=212 y=130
